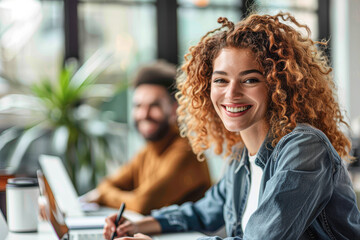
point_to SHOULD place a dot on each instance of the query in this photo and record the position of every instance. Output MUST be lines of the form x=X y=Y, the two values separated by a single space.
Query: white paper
x=88 y=222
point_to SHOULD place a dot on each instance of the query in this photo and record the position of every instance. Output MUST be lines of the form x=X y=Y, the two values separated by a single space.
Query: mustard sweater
x=162 y=173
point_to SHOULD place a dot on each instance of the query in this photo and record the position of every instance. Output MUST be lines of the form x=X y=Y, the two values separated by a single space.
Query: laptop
x=56 y=217
x=66 y=195
x=3 y=227
x=61 y=185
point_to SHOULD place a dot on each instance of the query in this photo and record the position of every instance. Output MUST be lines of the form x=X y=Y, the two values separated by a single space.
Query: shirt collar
x=241 y=153
x=265 y=151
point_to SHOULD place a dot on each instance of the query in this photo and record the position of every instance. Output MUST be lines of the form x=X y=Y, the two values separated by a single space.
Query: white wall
x=346 y=53
x=354 y=57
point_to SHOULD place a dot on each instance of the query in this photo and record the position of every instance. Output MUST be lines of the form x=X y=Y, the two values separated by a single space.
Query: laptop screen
x=52 y=210
x=61 y=185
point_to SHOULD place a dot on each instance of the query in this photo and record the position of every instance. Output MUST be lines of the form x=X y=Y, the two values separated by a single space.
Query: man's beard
x=163 y=128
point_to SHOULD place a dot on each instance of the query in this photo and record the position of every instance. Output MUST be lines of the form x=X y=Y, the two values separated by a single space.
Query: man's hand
x=91 y=196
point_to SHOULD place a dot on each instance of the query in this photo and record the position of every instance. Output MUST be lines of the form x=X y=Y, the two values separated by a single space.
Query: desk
x=46 y=232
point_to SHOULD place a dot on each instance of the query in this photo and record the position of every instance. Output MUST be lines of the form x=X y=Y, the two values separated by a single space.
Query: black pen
x=117 y=220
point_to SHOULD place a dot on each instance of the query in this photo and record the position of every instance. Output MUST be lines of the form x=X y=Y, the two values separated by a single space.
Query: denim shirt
x=305 y=193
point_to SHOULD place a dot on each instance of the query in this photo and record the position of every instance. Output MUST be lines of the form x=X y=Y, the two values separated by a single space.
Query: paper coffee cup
x=22 y=204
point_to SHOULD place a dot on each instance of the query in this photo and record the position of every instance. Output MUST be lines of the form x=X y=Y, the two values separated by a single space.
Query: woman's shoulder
x=306 y=137
x=307 y=128
x=306 y=132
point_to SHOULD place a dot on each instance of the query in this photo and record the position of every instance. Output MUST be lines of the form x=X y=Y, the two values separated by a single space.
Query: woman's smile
x=235 y=110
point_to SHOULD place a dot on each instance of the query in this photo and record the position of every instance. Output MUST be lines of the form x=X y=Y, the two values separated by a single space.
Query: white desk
x=46 y=232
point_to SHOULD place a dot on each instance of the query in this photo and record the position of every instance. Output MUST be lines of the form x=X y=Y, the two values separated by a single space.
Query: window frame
x=167 y=24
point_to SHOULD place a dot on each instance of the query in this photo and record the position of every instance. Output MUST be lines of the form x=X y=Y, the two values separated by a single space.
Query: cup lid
x=22 y=182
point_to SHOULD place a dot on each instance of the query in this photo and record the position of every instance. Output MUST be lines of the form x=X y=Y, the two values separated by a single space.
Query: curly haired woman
x=263 y=90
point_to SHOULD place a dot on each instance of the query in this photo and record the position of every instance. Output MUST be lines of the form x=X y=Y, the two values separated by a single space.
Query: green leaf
x=23 y=143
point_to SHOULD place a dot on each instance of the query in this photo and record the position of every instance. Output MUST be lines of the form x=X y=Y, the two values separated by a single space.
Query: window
x=132 y=29
x=305 y=11
x=129 y=31
x=31 y=39
x=196 y=18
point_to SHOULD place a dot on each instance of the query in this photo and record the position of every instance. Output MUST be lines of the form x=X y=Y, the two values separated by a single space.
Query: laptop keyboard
x=84 y=236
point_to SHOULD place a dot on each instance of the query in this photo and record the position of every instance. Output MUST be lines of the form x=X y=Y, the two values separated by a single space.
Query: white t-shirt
x=252 y=202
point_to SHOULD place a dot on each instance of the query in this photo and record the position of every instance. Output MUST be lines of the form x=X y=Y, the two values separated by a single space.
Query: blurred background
x=65 y=67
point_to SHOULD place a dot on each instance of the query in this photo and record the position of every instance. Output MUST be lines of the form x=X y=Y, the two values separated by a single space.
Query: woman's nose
x=234 y=90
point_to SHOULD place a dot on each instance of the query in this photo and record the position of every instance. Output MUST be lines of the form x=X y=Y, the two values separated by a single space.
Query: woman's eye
x=251 y=80
x=219 y=80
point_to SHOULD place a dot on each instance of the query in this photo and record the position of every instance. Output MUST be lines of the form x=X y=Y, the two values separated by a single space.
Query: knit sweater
x=163 y=173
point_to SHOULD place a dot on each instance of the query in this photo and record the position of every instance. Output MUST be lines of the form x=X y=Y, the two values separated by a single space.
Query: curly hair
x=301 y=87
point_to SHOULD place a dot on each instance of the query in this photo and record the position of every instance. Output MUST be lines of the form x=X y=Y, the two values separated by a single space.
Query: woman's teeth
x=237 y=109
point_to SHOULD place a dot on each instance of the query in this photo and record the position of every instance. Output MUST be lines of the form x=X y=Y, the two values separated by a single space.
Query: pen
x=118 y=217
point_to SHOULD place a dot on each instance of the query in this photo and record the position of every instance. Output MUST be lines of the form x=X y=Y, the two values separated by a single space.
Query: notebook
x=56 y=217
x=3 y=227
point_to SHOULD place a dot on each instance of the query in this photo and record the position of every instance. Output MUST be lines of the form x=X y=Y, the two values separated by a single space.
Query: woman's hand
x=138 y=236
x=125 y=227
x=147 y=225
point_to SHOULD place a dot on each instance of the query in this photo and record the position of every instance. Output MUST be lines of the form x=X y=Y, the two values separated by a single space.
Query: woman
x=264 y=91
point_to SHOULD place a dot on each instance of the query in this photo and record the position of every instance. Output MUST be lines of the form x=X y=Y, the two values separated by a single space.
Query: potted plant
x=77 y=131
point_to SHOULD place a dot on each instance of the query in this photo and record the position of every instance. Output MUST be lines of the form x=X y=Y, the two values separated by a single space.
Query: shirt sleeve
x=203 y=215
x=122 y=179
